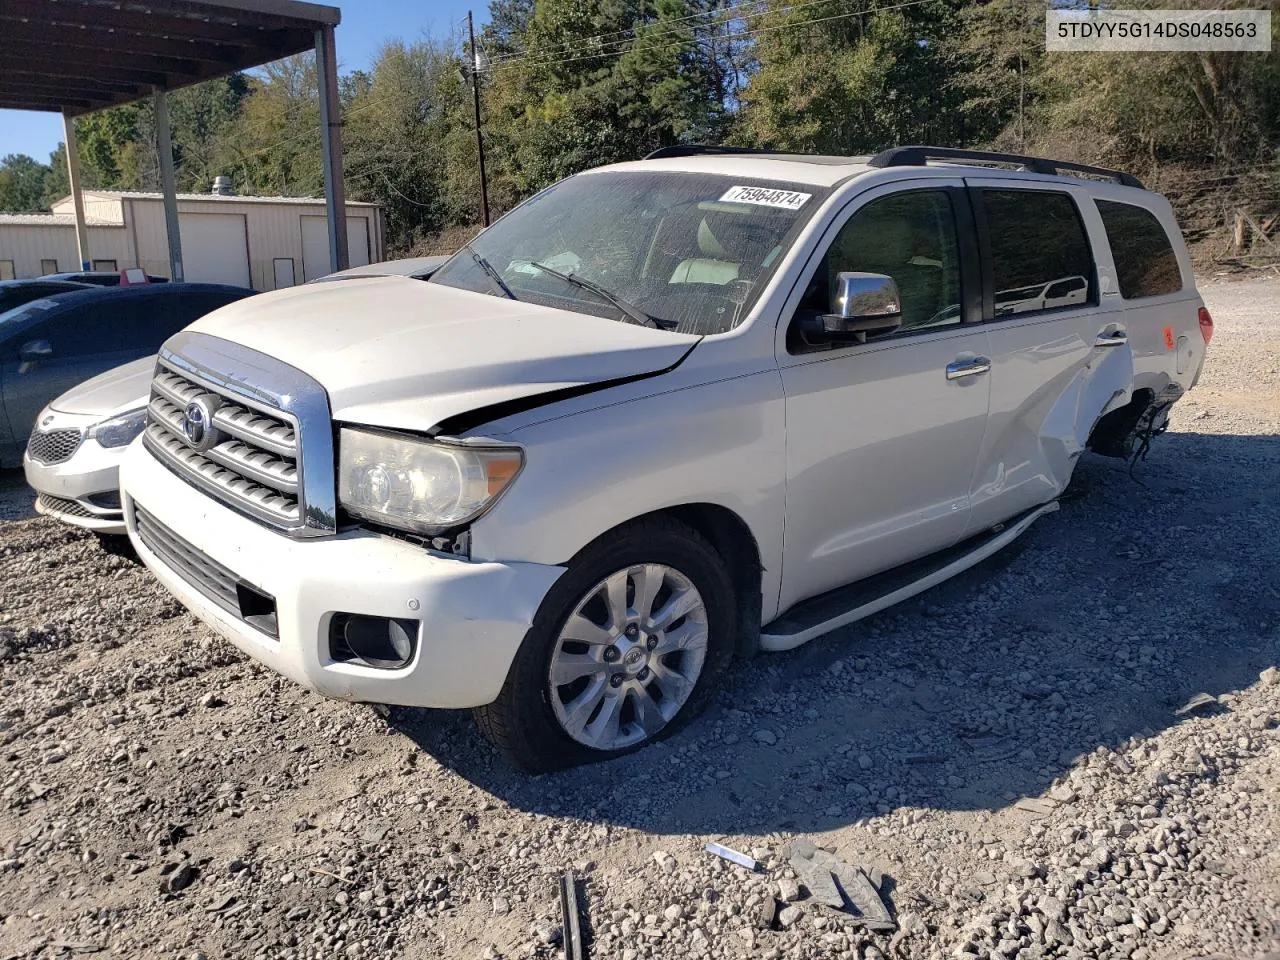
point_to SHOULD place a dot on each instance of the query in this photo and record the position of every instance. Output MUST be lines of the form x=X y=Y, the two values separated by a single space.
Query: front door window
x=910 y=237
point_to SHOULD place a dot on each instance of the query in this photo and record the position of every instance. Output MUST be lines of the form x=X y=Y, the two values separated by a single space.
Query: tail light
x=1206 y=324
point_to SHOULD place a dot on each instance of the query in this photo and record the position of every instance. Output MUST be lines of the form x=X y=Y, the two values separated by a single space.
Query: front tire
x=625 y=649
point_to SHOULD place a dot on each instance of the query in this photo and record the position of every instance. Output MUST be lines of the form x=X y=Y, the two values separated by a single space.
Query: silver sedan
x=73 y=454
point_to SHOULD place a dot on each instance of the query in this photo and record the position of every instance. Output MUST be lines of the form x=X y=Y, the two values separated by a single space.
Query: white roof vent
x=222 y=186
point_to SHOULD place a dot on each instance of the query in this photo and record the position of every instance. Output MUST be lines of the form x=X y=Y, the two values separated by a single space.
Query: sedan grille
x=248 y=455
x=68 y=508
x=53 y=446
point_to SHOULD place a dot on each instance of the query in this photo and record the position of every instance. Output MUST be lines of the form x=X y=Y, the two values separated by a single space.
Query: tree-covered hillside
x=570 y=84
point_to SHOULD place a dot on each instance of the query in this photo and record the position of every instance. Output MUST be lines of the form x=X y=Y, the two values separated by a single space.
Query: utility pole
x=475 y=96
x=77 y=195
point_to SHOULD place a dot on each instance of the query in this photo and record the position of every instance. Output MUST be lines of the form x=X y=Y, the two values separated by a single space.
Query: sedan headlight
x=420 y=485
x=120 y=431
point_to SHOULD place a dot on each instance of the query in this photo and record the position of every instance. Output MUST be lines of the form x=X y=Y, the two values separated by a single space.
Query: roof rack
x=698 y=149
x=920 y=156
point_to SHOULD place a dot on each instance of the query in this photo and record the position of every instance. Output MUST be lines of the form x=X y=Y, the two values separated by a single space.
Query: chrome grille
x=247 y=429
x=53 y=446
x=241 y=468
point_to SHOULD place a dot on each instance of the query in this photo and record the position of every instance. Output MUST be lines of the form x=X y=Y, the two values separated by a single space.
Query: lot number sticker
x=762 y=196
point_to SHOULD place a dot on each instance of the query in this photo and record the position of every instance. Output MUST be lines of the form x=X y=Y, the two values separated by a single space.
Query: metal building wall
x=272 y=230
x=27 y=244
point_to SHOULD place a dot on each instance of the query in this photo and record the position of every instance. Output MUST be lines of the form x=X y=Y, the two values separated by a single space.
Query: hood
x=418 y=267
x=123 y=388
x=402 y=353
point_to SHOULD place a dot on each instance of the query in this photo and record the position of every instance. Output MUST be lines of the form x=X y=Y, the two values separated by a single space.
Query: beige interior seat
x=713 y=267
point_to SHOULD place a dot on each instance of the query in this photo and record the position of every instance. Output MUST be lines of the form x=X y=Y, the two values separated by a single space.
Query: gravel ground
x=1006 y=751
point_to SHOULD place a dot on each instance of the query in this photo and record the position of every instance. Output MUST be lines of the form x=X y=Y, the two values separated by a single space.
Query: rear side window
x=128 y=323
x=153 y=320
x=162 y=314
x=99 y=326
x=1039 y=252
x=1146 y=265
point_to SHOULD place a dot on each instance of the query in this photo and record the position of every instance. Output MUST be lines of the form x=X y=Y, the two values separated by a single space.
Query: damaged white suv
x=661 y=414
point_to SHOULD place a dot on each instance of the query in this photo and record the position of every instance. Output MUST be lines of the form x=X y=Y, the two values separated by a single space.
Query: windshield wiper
x=630 y=309
x=490 y=272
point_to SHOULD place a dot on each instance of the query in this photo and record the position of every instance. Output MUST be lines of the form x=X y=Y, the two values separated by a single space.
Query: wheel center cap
x=635 y=660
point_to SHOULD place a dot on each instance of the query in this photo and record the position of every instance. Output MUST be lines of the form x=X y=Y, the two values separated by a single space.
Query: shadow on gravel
x=16 y=498
x=1106 y=618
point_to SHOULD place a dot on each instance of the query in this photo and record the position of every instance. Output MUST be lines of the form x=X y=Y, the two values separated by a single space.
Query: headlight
x=120 y=431
x=420 y=485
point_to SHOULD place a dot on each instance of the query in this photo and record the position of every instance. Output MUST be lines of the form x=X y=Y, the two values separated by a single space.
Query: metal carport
x=77 y=56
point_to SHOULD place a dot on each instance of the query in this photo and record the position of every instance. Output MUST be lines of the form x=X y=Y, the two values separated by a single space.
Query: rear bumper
x=472 y=617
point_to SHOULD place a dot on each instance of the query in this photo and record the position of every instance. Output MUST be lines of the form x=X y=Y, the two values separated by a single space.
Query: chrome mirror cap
x=866 y=295
x=863 y=303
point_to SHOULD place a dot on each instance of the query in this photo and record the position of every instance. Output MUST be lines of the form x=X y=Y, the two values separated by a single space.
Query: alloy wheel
x=628 y=657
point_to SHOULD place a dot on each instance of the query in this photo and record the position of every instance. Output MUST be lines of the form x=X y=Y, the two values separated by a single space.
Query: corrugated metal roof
x=214 y=197
x=51 y=220
x=77 y=56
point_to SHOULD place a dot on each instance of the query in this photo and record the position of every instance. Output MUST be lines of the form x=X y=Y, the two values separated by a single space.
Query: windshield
x=689 y=251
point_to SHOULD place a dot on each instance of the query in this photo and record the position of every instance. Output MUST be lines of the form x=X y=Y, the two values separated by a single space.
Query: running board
x=837 y=608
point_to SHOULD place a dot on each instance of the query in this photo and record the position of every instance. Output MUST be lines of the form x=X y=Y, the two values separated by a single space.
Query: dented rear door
x=1060 y=355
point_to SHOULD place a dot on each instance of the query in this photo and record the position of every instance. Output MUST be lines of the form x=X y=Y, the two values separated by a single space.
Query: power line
x=539 y=60
x=348 y=112
x=608 y=47
x=608 y=38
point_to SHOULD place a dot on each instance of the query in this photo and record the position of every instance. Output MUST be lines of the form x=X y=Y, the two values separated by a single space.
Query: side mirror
x=865 y=303
x=32 y=352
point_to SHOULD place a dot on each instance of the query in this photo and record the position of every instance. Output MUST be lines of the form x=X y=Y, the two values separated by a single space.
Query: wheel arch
x=731 y=537
x=1111 y=434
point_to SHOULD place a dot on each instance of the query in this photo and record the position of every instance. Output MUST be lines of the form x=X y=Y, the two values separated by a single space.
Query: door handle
x=1116 y=338
x=972 y=367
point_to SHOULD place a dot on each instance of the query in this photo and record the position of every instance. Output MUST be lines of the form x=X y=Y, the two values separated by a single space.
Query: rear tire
x=639 y=676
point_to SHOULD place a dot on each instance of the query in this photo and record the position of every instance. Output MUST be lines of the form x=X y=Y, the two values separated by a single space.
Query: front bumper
x=472 y=615
x=92 y=471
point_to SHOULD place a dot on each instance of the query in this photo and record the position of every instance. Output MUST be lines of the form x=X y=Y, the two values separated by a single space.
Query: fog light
x=109 y=500
x=383 y=642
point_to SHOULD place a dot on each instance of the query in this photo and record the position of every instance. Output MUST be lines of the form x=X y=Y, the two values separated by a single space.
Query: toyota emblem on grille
x=197 y=423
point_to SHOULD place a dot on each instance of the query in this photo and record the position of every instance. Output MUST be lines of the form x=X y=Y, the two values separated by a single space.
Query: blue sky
x=366 y=25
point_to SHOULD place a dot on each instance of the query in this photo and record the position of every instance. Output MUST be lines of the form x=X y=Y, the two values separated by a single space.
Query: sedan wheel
x=628 y=657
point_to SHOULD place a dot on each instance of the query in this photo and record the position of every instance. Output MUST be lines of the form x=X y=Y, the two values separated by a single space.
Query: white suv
x=661 y=414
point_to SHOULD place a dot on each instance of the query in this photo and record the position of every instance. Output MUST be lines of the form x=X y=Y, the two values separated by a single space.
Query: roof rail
x=698 y=149
x=919 y=156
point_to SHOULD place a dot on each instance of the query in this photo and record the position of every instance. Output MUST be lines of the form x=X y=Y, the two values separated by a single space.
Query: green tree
x=665 y=81
x=57 y=184
x=508 y=21
x=201 y=119
x=396 y=124
x=1146 y=109
x=597 y=83
x=108 y=142
x=998 y=52
x=22 y=183
x=825 y=80
x=272 y=144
